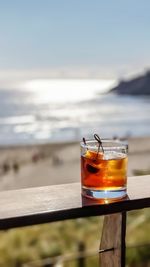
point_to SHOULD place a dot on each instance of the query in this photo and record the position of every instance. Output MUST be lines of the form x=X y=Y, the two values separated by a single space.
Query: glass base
x=104 y=194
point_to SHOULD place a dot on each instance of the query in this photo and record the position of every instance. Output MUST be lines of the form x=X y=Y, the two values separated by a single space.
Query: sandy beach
x=39 y=165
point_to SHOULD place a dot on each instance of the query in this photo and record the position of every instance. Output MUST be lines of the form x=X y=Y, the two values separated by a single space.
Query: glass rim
x=118 y=144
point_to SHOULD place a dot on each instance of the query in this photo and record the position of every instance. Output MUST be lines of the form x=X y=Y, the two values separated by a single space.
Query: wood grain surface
x=59 y=202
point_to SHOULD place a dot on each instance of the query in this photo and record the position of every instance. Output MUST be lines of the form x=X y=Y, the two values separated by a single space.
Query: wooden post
x=112 y=246
x=81 y=250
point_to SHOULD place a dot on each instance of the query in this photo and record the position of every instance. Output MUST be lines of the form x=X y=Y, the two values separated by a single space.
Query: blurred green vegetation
x=32 y=244
x=141 y=172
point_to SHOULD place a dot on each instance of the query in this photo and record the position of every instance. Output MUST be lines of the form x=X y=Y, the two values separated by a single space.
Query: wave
x=33 y=115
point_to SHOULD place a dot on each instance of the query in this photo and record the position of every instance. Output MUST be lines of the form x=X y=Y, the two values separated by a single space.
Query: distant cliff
x=136 y=86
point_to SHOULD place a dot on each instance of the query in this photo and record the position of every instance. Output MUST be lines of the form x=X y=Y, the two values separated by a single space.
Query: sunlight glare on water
x=71 y=90
x=40 y=111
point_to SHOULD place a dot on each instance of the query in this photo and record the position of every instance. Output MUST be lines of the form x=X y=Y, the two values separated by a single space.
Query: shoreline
x=57 y=163
x=129 y=138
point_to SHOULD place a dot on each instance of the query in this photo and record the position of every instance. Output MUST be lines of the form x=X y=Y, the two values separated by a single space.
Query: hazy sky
x=106 y=38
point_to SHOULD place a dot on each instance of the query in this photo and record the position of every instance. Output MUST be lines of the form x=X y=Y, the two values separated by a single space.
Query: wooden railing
x=60 y=202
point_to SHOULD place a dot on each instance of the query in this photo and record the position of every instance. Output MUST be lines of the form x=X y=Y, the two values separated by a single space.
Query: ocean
x=56 y=110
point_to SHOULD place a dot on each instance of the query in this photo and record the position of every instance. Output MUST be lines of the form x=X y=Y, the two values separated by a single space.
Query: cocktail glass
x=104 y=169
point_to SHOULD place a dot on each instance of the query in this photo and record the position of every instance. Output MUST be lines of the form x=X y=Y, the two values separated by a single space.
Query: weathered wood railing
x=60 y=202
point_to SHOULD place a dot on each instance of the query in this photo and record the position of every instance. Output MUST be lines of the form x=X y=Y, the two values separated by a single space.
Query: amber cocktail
x=104 y=169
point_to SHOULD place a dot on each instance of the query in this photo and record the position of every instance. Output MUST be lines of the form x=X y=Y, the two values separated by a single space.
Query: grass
x=29 y=244
x=141 y=172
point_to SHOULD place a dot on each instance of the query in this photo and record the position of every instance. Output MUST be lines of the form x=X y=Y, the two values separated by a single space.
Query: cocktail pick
x=84 y=141
x=97 y=138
